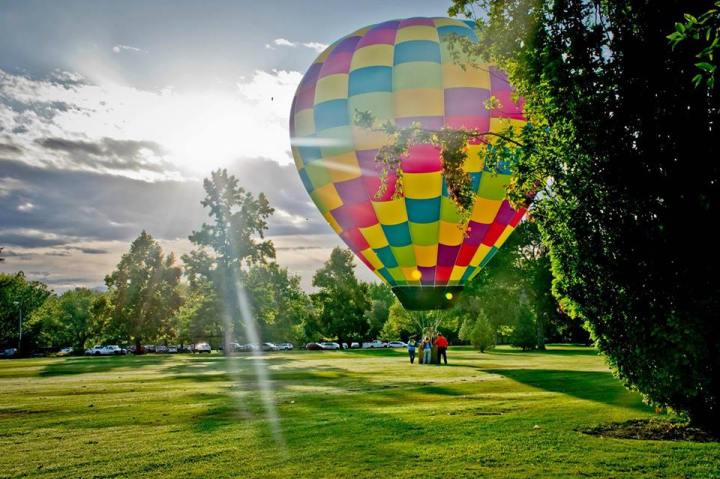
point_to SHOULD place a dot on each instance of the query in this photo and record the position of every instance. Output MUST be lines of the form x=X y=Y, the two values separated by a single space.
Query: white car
x=66 y=351
x=202 y=348
x=109 y=350
x=374 y=344
x=285 y=346
x=396 y=344
x=329 y=345
x=352 y=345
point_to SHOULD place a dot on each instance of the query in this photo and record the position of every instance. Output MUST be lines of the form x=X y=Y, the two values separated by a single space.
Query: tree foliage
x=29 y=295
x=624 y=149
x=234 y=239
x=70 y=319
x=341 y=299
x=703 y=32
x=144 y=290
x=280 y=306
x=479 y=331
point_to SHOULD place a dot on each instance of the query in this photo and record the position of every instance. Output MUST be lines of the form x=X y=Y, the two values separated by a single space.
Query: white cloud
x=27 y=206
x=282 y=42
x=121 y=48
x=317 y=46
x=197 y=130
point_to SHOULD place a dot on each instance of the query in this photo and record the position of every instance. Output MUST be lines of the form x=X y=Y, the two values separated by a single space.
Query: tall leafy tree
x=235 y=238
x=624 y=145
x=66 y=320
x=278 y=302
x=17 y=295
x=143 y=290
x=341 y=299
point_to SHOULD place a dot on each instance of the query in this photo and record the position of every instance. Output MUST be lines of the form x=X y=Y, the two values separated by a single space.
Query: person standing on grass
x=427 y=350
x=441 y=343
x=411 y=349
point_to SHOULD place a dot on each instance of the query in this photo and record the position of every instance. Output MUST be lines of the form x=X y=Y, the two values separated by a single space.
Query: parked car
x=10 y=352
x=202 y=348
x=66 y=351
x=269 y=347
x=313 y=347
x=185 y=348
x=172 y=349
x=374 y=344
x=353 y=345
x=149 y=348
x=396 y=344
x=161 y=349
x=285 y=346
x=329 y=345
x=108 y=350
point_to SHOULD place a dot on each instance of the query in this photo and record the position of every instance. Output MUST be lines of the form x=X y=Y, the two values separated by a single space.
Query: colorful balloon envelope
x=404 y=71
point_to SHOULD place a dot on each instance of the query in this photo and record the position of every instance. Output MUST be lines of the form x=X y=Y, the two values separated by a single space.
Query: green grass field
x=341 y=414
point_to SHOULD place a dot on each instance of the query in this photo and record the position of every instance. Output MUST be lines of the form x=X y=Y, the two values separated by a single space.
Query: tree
x=399 y=324
x=623 y=148
x=18 y=294
x=704 y=32
x=66 y=320
x=144 y=291
x=279 y=304
x=233 y=240
x=524 y=334
x=381 y=300
x=479 y=331
x=198 y=318
x=341 y=299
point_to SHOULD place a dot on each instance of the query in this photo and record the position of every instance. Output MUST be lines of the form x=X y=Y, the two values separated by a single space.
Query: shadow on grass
x=376 y=352
x=551 y=350
x=92 y=364
x=599 y=386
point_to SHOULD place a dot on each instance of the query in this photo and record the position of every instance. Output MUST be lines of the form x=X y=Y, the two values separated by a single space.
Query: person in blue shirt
x=427 y=350
x=412 y=343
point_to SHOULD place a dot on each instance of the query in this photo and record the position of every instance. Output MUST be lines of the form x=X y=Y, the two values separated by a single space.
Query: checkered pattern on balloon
x=403 y=71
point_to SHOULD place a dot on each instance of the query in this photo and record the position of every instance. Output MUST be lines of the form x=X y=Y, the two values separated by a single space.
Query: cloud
x=70 y=206
x=85 y=167
x=31 y=238
x=110 y=153
x=127 y=48
x=66 y=122
x=283 y=42
x=317 y=46
x=9 y=149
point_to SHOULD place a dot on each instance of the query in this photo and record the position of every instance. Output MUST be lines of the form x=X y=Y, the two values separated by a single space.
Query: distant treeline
x=231 y=282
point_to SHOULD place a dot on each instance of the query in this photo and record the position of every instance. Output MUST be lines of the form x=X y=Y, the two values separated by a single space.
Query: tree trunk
x=138 y=345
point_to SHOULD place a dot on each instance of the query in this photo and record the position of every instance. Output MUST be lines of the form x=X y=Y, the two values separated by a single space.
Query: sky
x=112 y=113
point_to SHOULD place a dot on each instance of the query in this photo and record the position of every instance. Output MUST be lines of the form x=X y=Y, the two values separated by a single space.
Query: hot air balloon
x=403 y=71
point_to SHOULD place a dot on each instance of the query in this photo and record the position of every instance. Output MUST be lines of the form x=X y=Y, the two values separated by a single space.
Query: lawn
x=339 y=414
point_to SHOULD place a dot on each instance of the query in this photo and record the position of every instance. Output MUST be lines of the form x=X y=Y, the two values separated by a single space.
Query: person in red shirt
x=441 y=343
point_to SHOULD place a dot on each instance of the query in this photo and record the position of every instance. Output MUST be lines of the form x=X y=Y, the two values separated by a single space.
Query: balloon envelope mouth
x=422 y=298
